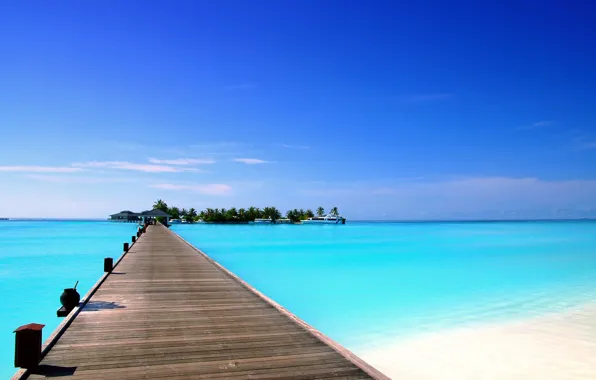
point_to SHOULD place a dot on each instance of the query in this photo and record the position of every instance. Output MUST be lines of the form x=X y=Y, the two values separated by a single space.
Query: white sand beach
x=555 y=346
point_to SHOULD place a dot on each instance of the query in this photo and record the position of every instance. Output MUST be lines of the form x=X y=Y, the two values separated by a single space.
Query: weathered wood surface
x=169 y=312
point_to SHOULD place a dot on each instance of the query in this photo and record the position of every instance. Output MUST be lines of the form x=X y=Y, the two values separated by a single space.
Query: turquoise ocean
x=38 y=260
x=364 y=284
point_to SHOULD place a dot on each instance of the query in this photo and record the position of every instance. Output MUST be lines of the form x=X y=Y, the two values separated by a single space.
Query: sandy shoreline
x=556 y=346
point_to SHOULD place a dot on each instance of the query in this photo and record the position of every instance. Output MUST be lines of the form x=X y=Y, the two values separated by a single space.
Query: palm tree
x=252 y=213
x=275 y=213
x=209 y=215
x=217 y=217
x=309 y=213
x=174 y=212
x=334 y=211
x=272 y=213
x=232 y=214
x=290 y=215
x=320 y=211
x=160 y=205
x=190 y=215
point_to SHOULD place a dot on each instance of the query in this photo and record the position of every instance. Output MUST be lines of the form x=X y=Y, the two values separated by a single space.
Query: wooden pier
x=169 y=311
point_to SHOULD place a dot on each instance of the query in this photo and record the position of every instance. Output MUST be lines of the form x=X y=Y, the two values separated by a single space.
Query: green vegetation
x=233 y=215
x=298 y=215
x=160 y=205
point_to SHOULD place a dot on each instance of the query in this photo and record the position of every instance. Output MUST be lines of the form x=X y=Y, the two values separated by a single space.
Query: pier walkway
x=168 y=311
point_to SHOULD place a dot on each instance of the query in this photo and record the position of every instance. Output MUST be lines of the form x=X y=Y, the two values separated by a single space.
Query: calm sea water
x=363 y=284
x=38 y=259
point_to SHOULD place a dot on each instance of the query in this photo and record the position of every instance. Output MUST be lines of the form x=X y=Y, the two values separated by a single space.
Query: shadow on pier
x=53 y=370
x=101 y=305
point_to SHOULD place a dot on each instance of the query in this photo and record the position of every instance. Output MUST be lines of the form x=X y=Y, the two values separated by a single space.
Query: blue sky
x=388 y=110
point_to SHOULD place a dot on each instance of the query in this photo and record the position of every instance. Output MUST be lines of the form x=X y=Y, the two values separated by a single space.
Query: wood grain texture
x=168 y=311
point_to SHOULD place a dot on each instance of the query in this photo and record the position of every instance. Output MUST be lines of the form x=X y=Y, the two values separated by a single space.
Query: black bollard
x=108 y=264
x=134 y=238
x=27 y=350
x=125 y=247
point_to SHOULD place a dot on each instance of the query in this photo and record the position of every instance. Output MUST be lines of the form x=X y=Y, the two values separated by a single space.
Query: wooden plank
x=169 y=311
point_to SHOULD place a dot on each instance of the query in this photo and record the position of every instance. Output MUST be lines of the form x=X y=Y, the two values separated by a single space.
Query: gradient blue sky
x=388 y=110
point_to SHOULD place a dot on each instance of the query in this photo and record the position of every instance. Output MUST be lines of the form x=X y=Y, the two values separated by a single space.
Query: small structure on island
x=141 y=217
x=151 y=215
x=125 y=216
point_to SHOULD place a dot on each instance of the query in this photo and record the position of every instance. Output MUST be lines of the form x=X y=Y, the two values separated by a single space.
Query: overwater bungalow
x=150 y=215
x=126 y=216
x=138 y=217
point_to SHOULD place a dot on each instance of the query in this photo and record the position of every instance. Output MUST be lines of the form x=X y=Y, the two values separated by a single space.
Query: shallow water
x=38 y=259
x=363 y=284
x=367 y=284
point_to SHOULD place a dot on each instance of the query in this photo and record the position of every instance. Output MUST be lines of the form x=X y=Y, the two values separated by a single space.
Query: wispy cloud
x=471 y=197
x=183 y=161
x=129 y=146
x=329 y=192
x=250 y=161
x=427 y=97
x=587 y=144
x=76 y=179
x=582 y=140
x=240 y=86
x=538 y=125
x=124 y=165
x=491 y=189
x=207 y=189
x=543 y=123
x=39 y=169
x=295 y=146
x=217 y=146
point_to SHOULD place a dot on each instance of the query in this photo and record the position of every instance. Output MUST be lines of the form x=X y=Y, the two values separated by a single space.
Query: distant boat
x=175 y=221
x=327 y=219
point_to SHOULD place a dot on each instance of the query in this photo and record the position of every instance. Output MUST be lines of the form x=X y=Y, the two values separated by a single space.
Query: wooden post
x=125 y=247
x=27 y=351
x=108 y=264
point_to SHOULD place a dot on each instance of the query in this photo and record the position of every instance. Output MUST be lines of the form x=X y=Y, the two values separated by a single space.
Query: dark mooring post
x=108 y=264
x=134 y=238
x=125 y=247
x=27 y=350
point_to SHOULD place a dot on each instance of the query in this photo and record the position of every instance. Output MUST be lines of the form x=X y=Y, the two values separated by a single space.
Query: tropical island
x=241 y=215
